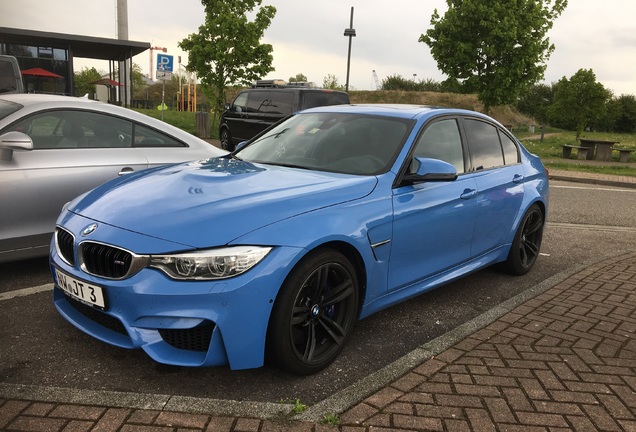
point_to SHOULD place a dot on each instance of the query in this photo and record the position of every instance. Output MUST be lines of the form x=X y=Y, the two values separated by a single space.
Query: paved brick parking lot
x=564 y=360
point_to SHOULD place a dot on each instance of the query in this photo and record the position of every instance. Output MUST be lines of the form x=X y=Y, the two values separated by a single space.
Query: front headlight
x=210 y=264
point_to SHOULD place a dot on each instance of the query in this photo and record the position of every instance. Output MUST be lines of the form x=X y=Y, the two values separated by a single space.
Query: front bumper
x=185 y=323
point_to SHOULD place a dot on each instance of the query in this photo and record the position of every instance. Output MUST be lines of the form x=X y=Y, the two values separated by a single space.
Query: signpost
x=164 y=71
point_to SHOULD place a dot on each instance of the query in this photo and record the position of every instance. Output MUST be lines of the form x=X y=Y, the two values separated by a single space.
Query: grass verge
x=182 y=119
x=550 y=151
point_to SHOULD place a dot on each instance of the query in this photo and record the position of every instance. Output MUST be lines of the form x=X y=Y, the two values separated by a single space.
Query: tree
x=579 y=101
x=227 y=49
x=536 y=100
x=331 y=82
x=137 y=76
x=298 y=78
x=626 y=118
x=495 y=48
x=82 y=81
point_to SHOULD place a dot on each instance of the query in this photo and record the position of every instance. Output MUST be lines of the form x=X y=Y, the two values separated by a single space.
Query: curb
x=590 y=180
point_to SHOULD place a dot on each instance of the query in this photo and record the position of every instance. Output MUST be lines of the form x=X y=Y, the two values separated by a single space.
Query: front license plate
x=81 y=290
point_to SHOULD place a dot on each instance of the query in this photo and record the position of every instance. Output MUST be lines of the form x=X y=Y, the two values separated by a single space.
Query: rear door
x=278 y=106
x=499 y=177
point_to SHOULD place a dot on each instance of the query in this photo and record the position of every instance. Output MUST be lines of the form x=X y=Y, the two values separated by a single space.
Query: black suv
x=267 y=102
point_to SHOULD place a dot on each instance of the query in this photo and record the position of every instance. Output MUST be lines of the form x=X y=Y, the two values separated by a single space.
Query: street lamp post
x=351 y=33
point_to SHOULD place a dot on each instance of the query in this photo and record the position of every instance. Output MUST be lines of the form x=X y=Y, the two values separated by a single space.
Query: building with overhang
x=49 y=59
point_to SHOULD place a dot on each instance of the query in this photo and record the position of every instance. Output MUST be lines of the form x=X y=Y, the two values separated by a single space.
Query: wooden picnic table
x=599 y=149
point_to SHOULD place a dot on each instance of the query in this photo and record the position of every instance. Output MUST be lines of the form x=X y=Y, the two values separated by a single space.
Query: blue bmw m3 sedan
x=275 y=251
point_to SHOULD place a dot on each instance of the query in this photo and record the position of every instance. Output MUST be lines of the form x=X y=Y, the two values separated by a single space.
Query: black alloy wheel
x=314 y=313
x=527 y=243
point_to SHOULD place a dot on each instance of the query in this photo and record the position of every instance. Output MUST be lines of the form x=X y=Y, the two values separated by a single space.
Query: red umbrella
x=107 y=82
x=39 y=72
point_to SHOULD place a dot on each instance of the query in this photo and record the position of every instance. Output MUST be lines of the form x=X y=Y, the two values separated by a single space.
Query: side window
x=485 y=148
x=76 y=129
x=104 y=131
x=441 y=140
x=313 y=99
x=44 y=129
x=146 y=137
x=280 y=102
x=256 y=101
x=510 y=151
x=240 y=103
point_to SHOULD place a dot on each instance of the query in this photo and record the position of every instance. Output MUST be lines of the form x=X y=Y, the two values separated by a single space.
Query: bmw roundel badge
x=89 y=229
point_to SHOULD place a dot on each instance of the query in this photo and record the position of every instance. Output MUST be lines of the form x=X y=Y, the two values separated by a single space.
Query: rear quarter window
x=146 y=137
x=279 y=103
x=324 y=98
x=510 y=150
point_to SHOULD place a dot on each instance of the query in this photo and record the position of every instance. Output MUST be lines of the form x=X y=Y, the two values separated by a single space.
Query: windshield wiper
x=277 y=134
x=287 y=165
x=230 y=156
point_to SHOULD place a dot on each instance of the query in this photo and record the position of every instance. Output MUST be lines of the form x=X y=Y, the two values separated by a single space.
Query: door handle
x=126 y=170
x=468 y=194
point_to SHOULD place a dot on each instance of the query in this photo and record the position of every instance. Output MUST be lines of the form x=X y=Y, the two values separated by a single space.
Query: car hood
x=213 y=202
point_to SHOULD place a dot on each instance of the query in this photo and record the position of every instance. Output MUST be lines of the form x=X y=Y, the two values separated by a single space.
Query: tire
x=314 y=313
x=526 y=244
x=226 y=139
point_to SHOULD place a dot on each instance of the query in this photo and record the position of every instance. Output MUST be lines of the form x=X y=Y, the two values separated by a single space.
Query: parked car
x=53 y=148
x=10 y=76
x=268 y=102
x=277 y=249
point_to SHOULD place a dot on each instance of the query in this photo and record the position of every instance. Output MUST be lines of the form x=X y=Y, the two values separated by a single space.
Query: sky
x=308 y=36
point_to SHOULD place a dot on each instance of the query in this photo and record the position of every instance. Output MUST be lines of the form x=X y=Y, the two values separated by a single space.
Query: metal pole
x=163 y=94
x=351 y=33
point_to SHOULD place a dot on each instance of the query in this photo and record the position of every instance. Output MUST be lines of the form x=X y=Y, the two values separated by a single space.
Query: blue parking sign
x=164 y=63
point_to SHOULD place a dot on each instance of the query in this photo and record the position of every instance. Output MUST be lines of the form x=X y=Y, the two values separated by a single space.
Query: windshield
x=7 y=108
x=337 y=142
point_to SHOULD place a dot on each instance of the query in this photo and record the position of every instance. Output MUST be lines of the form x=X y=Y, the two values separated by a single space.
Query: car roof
x=298 y=89
x=34 y=102
x=31 y=99
x=396 y=110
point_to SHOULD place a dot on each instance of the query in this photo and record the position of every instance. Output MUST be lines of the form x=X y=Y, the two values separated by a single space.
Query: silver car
x=54 y=148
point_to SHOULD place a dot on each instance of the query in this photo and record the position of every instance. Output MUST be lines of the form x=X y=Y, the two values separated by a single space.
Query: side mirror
x=425 y=169
x=14 y=141
x=227 y=106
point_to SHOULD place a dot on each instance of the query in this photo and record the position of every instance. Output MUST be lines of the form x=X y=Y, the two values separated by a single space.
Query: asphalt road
x=40 y=348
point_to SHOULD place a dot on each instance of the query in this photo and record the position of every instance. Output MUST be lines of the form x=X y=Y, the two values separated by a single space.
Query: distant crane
x=151 y=50
x=376 y=80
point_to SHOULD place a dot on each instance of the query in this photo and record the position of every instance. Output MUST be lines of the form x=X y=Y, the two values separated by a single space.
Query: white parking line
x=617 y=189
x=591 y=227
x=25 y=292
